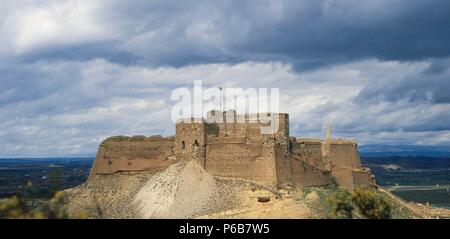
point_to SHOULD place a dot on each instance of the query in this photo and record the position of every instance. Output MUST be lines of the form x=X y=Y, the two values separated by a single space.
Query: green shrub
x=368 y=203
x=24 y=206
x=342 y=204
x=18 y=207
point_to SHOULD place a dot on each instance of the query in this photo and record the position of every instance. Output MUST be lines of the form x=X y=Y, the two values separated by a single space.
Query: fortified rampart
x=138 y=153
x=231 y=145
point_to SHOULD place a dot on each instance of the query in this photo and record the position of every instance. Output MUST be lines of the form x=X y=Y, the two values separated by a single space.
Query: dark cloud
x=429 y=85
x=72 y=74
x=83 y=52
x=307 y=34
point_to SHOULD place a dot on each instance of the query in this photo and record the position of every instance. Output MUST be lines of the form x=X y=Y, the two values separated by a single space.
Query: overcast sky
x=74 y=72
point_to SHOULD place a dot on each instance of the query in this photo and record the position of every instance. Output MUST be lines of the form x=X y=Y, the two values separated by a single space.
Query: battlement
x=229 y=123
x=231 y=117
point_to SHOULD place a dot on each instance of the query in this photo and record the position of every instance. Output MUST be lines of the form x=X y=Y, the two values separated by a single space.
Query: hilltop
x=186 y=190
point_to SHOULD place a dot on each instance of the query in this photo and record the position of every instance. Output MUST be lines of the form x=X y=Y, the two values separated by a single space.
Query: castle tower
x=326 y=148
x=328 y=132
x=190 y=140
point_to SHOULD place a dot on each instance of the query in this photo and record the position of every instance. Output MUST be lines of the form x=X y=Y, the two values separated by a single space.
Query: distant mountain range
x=379 y=150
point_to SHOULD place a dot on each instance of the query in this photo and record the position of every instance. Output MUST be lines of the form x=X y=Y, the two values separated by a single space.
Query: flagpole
x=221 y=99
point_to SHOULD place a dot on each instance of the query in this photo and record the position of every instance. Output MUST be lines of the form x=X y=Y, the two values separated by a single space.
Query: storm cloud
x=74 y=72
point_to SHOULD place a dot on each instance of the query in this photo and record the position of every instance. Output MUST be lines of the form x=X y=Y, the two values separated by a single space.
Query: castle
x=235 y=147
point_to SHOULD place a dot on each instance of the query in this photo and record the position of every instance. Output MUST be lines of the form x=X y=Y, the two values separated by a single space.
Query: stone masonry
x=236 y=148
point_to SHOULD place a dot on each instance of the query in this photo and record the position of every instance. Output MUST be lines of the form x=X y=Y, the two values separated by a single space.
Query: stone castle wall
x=239 y=150
x=239 y=159
x=283 y=165
x=344 y=161
x=305 y=175
x=361 y=177
x=119 y=154
x=309 y=151
x=345 y=154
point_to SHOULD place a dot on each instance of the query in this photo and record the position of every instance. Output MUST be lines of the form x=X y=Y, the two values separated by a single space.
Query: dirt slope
x=181 y=191
x=186 y=190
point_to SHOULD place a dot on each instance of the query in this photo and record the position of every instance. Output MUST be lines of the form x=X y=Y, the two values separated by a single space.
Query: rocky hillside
x=185 y=190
